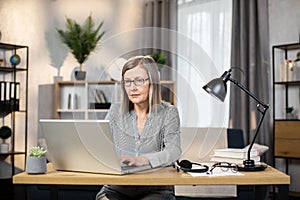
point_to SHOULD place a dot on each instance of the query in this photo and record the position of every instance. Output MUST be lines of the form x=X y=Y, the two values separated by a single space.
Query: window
x=204 y=46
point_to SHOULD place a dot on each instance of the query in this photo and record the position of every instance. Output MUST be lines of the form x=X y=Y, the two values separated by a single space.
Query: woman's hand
x=134 y=160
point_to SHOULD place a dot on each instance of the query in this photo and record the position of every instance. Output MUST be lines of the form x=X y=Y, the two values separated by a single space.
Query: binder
x=14 y=96
x=2 y=94
x=7 y=97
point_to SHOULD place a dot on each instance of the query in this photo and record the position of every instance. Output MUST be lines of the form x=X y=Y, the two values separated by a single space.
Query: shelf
x=16 y=76
x=287 y=82
x=6 y=46
x=292 y=46
x=12 y=153
x=84 y=91
x=11 y=69
x=287 y=120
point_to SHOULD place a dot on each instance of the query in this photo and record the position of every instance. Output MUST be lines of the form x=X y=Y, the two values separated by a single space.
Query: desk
x=164 y=176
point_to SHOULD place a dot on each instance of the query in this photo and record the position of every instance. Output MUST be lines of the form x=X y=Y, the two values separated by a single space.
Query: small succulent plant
x=37 y=152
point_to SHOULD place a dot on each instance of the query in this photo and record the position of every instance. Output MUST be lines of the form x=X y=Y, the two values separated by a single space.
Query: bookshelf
x=14 y=98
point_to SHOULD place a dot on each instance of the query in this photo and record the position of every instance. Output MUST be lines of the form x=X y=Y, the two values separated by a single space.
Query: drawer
x=287 y=139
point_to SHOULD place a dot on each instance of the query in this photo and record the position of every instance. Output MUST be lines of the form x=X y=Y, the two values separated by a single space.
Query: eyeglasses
x=224 y=166
x=136 y=81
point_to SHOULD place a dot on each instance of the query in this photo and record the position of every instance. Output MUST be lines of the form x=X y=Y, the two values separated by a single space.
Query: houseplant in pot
x=160 y=59
x=5 y=133
x=81 y=40
x=36 y=161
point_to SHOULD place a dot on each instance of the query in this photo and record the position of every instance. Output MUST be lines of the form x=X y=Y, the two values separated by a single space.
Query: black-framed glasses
x=224 y=166
x=136 y=82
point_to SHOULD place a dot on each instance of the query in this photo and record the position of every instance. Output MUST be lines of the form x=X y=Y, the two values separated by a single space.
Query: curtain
x=161 y=16
x=204 y=41
x=250 y=53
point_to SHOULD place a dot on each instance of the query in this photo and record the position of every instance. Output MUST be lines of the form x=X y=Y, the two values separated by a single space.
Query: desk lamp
x=218 y=88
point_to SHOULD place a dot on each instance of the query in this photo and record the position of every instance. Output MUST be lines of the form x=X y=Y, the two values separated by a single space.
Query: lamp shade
x=217 y=88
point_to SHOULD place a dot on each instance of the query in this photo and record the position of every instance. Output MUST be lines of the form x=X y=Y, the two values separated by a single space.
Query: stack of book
x=236 y=156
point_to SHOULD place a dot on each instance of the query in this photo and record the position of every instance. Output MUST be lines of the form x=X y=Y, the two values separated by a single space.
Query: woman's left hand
x=134 y=160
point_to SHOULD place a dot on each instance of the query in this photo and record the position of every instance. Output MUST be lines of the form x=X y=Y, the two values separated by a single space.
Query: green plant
x=37 y=151
x=5 y=132
x=81 y=39
x=289 y=109
x=160 y=59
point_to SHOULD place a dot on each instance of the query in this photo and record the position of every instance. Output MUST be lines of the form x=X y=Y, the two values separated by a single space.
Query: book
x=235 y=153
x=233 y=160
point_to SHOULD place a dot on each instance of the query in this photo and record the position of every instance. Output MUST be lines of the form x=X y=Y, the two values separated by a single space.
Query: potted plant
x=81 y=39
x=289 y=112
x=36 y=161
x=160 y=59
x=5 y=133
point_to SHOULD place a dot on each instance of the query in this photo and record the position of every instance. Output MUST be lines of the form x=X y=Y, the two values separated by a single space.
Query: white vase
x=4 y=148
x=36 y=165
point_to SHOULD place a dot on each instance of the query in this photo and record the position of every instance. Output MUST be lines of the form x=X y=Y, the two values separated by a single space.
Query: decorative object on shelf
x=218 y=88
x=36 y=161
x=72 y=101
x=160 y=59
x=81 y=39
x=296 y=68
x=57 y=78
x=289 y=111
x=2 y=62
x=5 y=133
x=15 y=59
x=100 y=100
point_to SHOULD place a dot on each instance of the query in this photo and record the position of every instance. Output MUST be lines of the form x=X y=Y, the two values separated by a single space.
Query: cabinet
x=92 y=99
x=13 y=112
x=286 y=95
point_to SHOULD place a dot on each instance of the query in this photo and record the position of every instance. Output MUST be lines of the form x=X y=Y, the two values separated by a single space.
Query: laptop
x=83 y=146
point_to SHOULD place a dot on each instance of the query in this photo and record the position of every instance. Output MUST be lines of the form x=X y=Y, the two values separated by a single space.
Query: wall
x=34 y=23
x=284 y=21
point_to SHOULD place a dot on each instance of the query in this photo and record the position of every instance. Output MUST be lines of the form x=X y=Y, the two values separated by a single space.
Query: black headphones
x=187 y=166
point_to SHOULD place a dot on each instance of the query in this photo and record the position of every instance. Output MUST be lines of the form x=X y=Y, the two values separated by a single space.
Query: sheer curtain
x=204 y=48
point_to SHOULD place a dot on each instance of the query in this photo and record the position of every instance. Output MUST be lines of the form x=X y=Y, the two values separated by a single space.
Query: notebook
x=83 y=146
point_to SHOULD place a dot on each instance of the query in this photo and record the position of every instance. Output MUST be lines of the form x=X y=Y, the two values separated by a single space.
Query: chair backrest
x=235 y=138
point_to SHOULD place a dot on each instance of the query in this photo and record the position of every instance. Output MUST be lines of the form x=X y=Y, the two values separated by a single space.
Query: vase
x=57 y=78
x=4 y=148
x=80 y=75
x=36 y=165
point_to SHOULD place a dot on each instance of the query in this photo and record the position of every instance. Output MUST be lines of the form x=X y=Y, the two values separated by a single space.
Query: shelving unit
x=15 y=115
x=286 y=93
x=76 y=99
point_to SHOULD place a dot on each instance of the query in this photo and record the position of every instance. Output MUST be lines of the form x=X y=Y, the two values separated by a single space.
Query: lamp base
x=249 y=166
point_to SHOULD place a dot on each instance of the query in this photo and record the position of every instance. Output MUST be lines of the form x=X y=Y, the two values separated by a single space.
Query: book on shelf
x=235 y=153
x=233 y=160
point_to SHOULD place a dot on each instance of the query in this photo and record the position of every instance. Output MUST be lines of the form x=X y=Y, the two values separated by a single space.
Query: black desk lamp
x=218 y=88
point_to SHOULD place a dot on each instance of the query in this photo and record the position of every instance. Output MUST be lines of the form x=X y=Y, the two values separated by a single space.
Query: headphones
x=187 y=166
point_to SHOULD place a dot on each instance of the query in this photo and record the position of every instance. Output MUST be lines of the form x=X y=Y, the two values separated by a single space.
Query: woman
x=145 y=129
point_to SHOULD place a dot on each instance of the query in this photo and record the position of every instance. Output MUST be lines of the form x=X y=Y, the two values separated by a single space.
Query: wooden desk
x=165 y=176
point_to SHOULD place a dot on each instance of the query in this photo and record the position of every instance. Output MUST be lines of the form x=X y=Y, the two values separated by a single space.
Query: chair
x=235 y=138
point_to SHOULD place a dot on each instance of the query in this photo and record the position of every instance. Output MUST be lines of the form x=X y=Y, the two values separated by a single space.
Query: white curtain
x=204 y=42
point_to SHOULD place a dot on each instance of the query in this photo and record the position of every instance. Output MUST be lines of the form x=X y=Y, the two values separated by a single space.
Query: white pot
x=4 y=148
x=36 y=165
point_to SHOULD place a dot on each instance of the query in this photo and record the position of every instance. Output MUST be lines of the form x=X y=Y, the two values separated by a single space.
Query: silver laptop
x=83 y=146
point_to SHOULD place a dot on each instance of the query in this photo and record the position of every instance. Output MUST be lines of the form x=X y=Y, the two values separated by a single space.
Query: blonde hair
x=147 y=63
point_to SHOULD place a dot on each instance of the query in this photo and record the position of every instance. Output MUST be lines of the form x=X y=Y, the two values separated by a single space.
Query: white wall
x=284 y=21
x=34 y=23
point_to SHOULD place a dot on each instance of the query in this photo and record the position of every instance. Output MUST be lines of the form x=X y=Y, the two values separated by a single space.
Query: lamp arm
x=249 y=93
x=263 y=112
x=256 y=133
